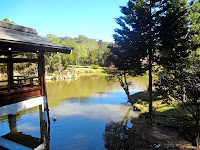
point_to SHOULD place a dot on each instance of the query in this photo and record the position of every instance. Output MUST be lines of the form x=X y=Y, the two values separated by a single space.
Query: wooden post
x=41 y=73
x=20 y=83
x=31 y=82
x=43 y=113
x=12 y=123
x=43 y=119
x=10 y=69
x=44 y=136
x=9 y=86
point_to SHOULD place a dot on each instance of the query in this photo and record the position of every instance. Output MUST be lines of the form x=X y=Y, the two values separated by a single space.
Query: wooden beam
x=6 y=53
x=32 y=47
x=17 y=60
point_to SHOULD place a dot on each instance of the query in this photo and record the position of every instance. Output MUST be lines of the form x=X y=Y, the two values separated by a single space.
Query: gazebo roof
x=16 y=38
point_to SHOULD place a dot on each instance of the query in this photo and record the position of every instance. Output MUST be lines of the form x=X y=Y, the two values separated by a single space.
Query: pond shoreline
x=169 y=129
x=73 y=72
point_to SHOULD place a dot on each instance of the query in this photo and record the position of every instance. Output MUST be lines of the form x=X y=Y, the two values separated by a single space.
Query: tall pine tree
x=179 y=34
x=157 y=29
x=137 y=35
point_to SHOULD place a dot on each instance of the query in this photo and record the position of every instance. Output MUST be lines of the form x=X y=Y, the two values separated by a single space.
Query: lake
x=85 y=109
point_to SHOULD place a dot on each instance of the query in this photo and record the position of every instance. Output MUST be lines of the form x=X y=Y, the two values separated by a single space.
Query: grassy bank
x=160 y=106
x=88 y=69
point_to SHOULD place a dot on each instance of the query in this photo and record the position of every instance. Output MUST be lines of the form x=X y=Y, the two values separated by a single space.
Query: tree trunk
x=76 y=61
x=197 y=133
x=150 y=86
x=197 y=128
x=150 y=73
x=125 y=86
x=127 y=93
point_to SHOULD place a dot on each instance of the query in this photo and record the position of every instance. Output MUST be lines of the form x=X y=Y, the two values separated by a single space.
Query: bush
x=95 y=67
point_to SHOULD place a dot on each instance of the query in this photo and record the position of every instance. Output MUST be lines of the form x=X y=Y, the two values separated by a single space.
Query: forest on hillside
x=86 y=52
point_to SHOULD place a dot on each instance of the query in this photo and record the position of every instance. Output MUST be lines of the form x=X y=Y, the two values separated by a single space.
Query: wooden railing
x=20 y=82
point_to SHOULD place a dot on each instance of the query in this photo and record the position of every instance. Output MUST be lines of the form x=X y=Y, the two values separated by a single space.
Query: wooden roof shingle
x=17 y=38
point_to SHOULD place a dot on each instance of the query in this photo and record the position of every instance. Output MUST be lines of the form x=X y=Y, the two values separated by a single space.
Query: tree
x=53 y=63
x=100 y=51
x=7 y=20
x=179 y=34
x=122 y=65
x=79 y=51
x=137 y=35
x=67 y=60
x=181 y=86
x=91 y=57
x=175 y=33
x=157 y=29
x=89 y=44
x=82 y=47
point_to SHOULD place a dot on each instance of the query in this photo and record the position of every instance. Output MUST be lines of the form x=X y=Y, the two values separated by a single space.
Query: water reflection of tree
x=116 y=135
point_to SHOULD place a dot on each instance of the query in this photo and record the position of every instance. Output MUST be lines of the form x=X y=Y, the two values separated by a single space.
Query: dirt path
x=145 y=136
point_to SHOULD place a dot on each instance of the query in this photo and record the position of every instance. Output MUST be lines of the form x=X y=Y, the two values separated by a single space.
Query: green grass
x=89 y=70
x=160 y=108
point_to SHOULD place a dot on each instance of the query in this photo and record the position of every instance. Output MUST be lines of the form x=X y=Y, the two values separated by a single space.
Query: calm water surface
x=85 y=108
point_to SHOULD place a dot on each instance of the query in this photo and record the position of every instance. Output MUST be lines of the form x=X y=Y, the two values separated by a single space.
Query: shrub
x=95 y=67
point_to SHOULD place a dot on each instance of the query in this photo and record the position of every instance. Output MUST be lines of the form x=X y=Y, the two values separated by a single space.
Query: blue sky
x=92 y=18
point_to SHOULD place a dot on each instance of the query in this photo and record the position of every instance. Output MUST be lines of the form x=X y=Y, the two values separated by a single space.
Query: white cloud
x=105 y=112
x=27 y=127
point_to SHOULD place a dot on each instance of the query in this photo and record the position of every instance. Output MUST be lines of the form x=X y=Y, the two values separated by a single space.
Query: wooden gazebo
x=22 y=92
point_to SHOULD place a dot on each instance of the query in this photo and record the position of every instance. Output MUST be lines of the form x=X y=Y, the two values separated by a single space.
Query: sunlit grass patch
x=160 y=108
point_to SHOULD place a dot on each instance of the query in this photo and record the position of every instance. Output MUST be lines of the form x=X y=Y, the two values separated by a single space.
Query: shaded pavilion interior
x=16 y=40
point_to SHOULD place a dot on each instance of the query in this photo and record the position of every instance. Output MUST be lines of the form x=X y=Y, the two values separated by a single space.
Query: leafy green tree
x=89 y=44
x=179 y=34
x=100 y=52
x=91 y=57
x=67 y=60
x=181 y=86
x=53 y=63
x=78 y=52
x=7 y=20
x=121 y=67
x=104 y=58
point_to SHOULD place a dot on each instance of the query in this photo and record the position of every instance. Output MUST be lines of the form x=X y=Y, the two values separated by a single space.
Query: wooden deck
x=22 y=89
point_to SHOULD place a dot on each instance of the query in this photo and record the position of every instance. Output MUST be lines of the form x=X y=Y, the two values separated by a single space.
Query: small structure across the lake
x=22 y=92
